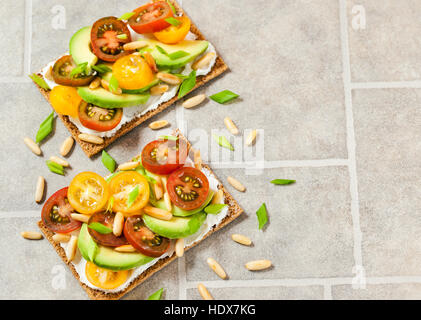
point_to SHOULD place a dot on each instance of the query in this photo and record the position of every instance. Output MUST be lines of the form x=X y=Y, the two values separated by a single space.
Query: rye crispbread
x=92 y=149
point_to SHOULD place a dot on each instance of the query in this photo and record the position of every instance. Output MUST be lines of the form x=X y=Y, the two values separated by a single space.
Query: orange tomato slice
x=88 y=193
x=174 y=34
x=104 y=278
x=132 y=72
x=65 y=100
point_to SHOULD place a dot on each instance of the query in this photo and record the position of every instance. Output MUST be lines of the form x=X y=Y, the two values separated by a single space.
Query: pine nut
x=49 y=74
x=95 y=83
x=128 y=165
x=31 y=235
x=167 y=201
x=231 y=126
x=197 y=160
x=39 y=193
x=168 y=78
x=236 y=184
x=204 y=292
x=66 y=146
x=179 y=247
x=59 y=161
x=218 y=197
x=158 y=213
x=32 y=146
x=71 y=248
x=194 y=101
x=241 y=239
x=125 y=248
x=251 y=138
x=216 y=267
x=158 y=124
x=159 y=89
x=61 y=237
x=158 y=191
x=118 y=224
x=135 y=45
x=258 y=265
x=80 y=217
x=91 y=138
x=204 y=61
x=164 y=184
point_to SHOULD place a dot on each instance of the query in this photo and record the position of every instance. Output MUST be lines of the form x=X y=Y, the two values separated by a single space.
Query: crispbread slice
x=234 y=211
x=92 y=149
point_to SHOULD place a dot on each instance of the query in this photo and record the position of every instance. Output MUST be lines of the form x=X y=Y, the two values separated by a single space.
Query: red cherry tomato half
x=151 y=17
x=109 y=239
x=164 y=156
x=97 y=118
x=188 y=188
x=143 y=239
x=56 y=213
x=104 y=41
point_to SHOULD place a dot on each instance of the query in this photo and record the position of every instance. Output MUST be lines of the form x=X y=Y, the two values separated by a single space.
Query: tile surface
x=379 y=292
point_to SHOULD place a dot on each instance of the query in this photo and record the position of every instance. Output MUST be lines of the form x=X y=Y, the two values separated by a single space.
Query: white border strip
x=28 y=38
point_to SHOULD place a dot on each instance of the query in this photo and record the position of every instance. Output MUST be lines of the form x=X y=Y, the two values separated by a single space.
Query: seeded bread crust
x=92 y=149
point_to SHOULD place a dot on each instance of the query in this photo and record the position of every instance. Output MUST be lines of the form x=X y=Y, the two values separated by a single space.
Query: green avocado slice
x=113 y=260
x=79 y=47
x=87 y=246
x=105 y=99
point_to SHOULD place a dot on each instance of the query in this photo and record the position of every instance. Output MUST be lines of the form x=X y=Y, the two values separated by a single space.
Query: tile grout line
x=182 y=279
x=20 y=214
x=351 y=141
x=385 y=85
x=272 y=164
x=28 y=38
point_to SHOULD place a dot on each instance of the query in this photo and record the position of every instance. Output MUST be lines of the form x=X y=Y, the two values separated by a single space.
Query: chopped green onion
x=80 y=69
x=282 y=181
x=262 y=216
x=224 y=96
x=171 y=138
x=122 y=36
x=156 y=295
x=45 y=128
x=112 y=176
x=39 y=81
x=173 y=21
x=108 y=161
x=177 y=54
x=188 y=84
x=113 y=84
x=181 y=76
x=55 y=167
x=172 y=7
x=223 y=142
x=132 y=196
x=100 y=228
x=101 y=68
x=162 y=50
x=126 y=16
x=215 y=208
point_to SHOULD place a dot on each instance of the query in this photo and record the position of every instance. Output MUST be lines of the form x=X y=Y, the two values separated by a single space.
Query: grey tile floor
x=333 y=85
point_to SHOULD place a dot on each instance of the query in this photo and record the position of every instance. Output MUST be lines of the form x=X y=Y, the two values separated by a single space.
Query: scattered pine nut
x=158 y=124
x=197 y=160
x=66 y=146
x=80 y=217
x=258 y=265
x=168 y=78
x=159 y=89
x=158 y=213
x=125 y=248
x=236 y=184
x=95 y=83
x=204 y=61
x=32 y=146
x=218 y=197
x=71 y=248
x=179 y=247
x=158 y=191
x=241 y=239
x=194 y=101
x=251 y=138
x=59 y=161
x=135 y=45
x=31 y=235
x=61 y=237
x=204 y=292
x=216 y=267
x=49 y=74
x=164 y=184
x=167 y=201
x=39 y=192
x=128 y=165
x=231 y=126
x=118 y=224
x=91 y=138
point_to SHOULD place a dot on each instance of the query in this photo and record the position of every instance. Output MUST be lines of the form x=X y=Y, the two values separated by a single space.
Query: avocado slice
x=87 y=246
x=105 y=99
x=177 y=227
x=194 y=48
x=114 y=260
x=79 y=47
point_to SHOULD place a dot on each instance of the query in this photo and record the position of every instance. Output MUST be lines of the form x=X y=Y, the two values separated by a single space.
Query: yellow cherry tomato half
x=65 y=100
x=122 y=188
x=88 y=193
x=174 y=34
x=132 y=72
x=104 y=278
